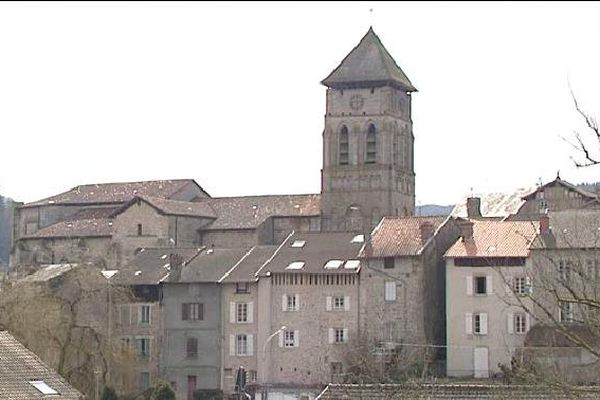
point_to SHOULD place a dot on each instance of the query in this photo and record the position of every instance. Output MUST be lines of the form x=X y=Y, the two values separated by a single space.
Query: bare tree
x=587 y=144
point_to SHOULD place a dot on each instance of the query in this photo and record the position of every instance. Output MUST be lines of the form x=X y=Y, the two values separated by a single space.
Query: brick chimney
x=426 y=228
x=466 y=230
x=544 y=224
x=474 y=207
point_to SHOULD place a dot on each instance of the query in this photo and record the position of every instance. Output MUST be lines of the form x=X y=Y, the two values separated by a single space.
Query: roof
x=369 y=63
x=566 y=185
x=19 y=366
x=251 y=211
x=498 y=204
x=496 y=239
x=400 y=236
x=48 y=272
x=172 y=207
x=211 y=265
x=91 y=213
x=312 y=250
x=75 y=228
x=152 y=265
x=114 y=193
x=247 y=266
x=571 y=229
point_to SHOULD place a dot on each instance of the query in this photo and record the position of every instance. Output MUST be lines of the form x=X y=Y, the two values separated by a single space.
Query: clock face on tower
x=356 y=102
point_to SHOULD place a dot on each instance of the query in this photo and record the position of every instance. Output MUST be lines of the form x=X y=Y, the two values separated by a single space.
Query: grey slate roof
x=48 y=273
x=566 y=185
x=172 y=207
x=74 y=229
x=250 y=211
x=571 y=229
x=152 y=265
x=18 y=366
x=211 y=265
x=368 y=64
x=114 y=193
x=249 y=264
x=319 y=248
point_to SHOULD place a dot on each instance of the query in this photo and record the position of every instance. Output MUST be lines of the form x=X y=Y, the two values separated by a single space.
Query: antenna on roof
x=558 y=175
x=471 y=191
x=371 y=18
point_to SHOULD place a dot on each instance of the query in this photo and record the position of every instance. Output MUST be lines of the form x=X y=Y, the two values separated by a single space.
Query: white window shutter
x=508 y=285
x=347 y=303
x=469 y=285
x=483 y=321
x=232 y=312
x=281 y=338
x=528 y=286
x=139 y=314
x=510 y=323
x=345 y=334
x=331 y=335
x=284 y=302
x=150 y=314
x=469 y=323
x=297 y=302
x=489 y=286
x=250 y=345
x=232 y=345
x=251 y=312
x=296 y=338
x=526 y=322
x=328 y=303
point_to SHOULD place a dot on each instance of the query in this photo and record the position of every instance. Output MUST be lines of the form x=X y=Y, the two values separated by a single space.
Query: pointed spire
x=368 y=64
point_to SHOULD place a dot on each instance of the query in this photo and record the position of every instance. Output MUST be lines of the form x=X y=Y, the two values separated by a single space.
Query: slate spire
x=368 y=65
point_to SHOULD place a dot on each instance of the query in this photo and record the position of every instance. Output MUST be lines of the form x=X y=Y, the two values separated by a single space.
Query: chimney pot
x=426 y=231
x=473 y=207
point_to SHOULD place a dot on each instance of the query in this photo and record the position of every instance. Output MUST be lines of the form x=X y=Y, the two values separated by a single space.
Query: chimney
x=474 y=207
x=426 y=228
x=544 y=224
x=466 y=230
x=176 y=262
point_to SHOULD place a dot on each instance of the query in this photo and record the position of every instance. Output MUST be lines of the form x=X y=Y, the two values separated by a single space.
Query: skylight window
x=358 y=239
x=352 y=264
x=333 y=264
x=295 y=265
x=42 y=387
x=299 y=243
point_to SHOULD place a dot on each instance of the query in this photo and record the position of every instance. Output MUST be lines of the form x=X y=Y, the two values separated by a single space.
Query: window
x=144 y=380
x=192 y=311
x=144 y=316
x=191 y=386
x=520 y=322
x=143 y=347
x=43 y=387
x=241 y=312
x=371 y=145
x=252 y=375
x=344 y=146
x=241 y=287
x=543 y=206
x=564 y=270
x=228 y=372
x=480 y=285
x=565 y=312
x=242 y=345
x=291 y=303
x=298 y=243
x=521 y=285
x=125 y=343
x=476 y=324
x=388 y=262
x=191 y=348
x=338 y=303
x=289 y=339
x=340 y=337
x=390 y=291
x=139 y=230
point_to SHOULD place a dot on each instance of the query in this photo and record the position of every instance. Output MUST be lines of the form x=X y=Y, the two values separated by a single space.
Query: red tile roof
x=400 y=236
x=496 y=239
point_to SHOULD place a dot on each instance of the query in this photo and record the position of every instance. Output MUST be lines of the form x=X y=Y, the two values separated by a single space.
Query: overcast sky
x=229 y=95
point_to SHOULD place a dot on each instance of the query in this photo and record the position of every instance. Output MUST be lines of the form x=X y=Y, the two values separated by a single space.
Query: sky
x=229 y=94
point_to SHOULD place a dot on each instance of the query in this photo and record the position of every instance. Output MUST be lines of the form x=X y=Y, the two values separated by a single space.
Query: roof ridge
x=258 y=195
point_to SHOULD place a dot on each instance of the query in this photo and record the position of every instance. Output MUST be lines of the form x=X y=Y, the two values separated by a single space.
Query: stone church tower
x=368 y=169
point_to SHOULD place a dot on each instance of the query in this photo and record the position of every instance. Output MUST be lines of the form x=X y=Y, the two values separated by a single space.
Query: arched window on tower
x=344 y=146
x=371 y=145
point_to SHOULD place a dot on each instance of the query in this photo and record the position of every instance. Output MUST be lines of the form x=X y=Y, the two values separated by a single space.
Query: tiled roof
x=317 y=250
x=173 y=207
x=113 y=193
x=251 y=211
x=246 y=268
x=566 y=185
x=211 y=265
x=571 y=229
x=369 y=62
x=497 y=204
x=74 y=229
x=400 y=236
x=152 y=265
x=19 y=366
x=496 y=239
x=91 y=213
x=49 y=272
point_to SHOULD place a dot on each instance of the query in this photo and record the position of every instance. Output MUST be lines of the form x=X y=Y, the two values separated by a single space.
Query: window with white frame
x=192 y=311
x=564 y=269
x=289 y=339
x=242 y=345
x=476 y=323
x=390 y=291
x=144 y=314
x=241 y=312
x=520 y=322
x=480 y=285
x=519 y=285
x=338 y=303
x=339 y=335
x=290 y=302
x=566 y=312
x=143 y=347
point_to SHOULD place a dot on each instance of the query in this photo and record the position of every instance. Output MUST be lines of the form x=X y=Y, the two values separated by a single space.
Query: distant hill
x=430 y=210
x=6 y=217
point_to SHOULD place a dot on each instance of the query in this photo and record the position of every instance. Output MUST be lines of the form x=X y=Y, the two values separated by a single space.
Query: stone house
x=487 y=283
x=402 y=282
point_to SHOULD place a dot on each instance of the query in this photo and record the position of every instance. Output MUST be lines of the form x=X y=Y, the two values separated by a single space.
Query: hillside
x=430 y=210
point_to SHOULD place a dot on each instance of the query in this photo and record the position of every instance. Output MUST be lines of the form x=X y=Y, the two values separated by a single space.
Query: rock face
x=6 y=213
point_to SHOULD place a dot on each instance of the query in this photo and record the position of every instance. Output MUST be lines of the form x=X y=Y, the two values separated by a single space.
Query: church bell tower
x=368 y=169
